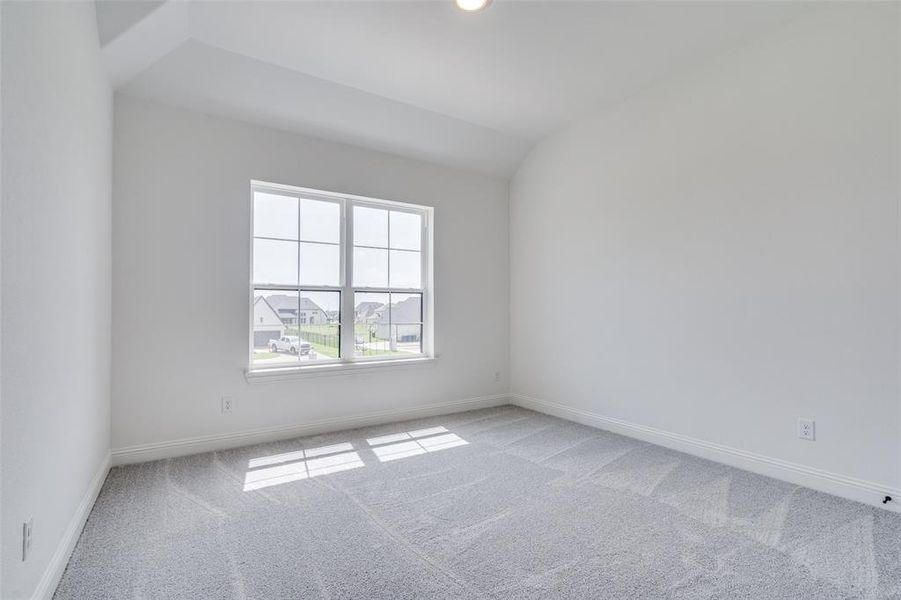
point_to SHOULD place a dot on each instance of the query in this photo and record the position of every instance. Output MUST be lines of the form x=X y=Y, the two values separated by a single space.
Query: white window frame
x=347 y=313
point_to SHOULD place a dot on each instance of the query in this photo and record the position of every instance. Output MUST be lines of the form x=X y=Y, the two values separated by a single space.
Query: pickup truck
x=289 y=343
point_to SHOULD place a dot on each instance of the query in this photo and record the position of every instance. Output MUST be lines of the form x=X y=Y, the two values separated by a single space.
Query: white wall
x=719 y=255
x=181 y=262
x=56 y=148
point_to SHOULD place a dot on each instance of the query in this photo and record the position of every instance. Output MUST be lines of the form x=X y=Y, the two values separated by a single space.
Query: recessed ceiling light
x=472 y=5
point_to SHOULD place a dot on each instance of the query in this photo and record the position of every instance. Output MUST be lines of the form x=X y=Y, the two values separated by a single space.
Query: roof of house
x=405 y=311
x=286 y=303
x=365 y=310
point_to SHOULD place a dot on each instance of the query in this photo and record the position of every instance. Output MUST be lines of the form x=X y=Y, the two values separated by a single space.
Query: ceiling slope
x=420 y=79
x=214 y=81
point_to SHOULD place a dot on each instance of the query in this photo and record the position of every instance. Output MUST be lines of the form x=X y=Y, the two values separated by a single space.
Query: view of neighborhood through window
x=287 y=331
x=299 y=282
x=387 y=323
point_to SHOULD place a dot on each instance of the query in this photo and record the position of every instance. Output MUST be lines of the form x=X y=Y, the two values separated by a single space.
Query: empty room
x=443 y=299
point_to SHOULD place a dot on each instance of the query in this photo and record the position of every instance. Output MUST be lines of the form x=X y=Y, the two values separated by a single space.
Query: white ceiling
x=420 y=79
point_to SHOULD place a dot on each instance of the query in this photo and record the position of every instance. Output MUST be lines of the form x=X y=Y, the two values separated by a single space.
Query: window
x=337 y=279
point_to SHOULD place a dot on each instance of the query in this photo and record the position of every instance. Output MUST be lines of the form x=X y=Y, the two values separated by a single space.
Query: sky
x=299 y=235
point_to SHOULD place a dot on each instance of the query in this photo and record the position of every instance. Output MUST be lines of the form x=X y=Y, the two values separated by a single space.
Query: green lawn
x=330 y=328
x=324 y=339
x=324 y=350
x=330 y=351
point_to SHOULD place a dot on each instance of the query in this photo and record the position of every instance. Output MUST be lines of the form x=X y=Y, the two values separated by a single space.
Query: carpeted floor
x=496 y=503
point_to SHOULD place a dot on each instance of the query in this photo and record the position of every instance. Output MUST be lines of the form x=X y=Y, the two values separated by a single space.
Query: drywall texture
x=181 y=223
x=719 y=255
x=57 y=141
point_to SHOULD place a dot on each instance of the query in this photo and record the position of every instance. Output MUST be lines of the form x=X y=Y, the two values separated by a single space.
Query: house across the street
x=266 y=323
x=403 y=320
x=367 y=312
x=290 y=313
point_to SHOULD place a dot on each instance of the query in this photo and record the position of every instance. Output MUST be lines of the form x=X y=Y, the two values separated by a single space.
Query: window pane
x=320 y=221
x=274 y=216
x=318 y=324
x=273 y=312
x=406 y=308
x=406 y=231
x=406 y=269
x=370 y=319
x=370 y=267
x=370 y=227
x=406 y=323
x=319 y=264
x=274 y=262
x=387 y=324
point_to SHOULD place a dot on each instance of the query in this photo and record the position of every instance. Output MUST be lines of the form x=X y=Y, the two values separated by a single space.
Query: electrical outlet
x=497 y=375
x=26 y=538
x=807 y=429
x=227 y=404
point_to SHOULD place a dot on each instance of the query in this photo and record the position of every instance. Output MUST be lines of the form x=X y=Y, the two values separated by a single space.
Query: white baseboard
x=208 y=443
x=54 y=571
x=860 y=490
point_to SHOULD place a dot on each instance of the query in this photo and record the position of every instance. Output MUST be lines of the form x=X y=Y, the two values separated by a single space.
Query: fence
x=325 y=335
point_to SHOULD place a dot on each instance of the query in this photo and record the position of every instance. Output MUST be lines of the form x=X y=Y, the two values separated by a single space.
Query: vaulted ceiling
x=419 y=79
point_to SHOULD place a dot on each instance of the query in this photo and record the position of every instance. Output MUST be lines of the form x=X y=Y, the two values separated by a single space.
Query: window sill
x=288 y=373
